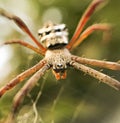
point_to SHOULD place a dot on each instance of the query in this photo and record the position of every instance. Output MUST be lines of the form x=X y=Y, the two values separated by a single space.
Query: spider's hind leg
x=106 y=28
x=23 y=43
x=19 y=22
x=86 y=16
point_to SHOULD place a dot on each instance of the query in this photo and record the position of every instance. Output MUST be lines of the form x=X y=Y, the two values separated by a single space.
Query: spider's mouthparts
x=60 y=73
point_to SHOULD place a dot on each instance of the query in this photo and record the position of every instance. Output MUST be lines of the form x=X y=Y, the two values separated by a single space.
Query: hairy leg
x=28 y=87
x=24 y=91
x=22 y=26
x=101 y=27
x=21 y=77
x=98 y=75
x=23 y=43
x=98 y=63
x=86 y=16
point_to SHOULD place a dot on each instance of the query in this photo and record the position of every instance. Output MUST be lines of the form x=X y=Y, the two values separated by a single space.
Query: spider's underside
x=58 y=57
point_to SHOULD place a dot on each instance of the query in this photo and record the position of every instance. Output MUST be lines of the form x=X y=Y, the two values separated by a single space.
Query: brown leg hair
x=101 y=27
x=24 y=91
x=98 y=63
x=98 y=75
x=23 y=27
x=25 y=44
x=28 y=87
x=21 y=77
x=83 y=21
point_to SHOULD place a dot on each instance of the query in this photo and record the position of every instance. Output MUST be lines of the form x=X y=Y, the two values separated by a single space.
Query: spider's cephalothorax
x=59 y=60
x=53 y=35
x=56 y=52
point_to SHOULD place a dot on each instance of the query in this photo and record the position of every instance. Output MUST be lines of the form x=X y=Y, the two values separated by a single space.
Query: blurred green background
x=77 y=99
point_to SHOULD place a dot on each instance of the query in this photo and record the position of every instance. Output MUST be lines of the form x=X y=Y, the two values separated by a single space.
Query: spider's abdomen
x=53 y=35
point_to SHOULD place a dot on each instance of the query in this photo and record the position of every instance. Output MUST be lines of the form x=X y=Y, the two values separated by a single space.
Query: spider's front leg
x=26 y=89
x=97 y=63
x=21 y=77
x=98 y=75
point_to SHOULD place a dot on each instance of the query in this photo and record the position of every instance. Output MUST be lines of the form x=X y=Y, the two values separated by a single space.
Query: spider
x=56 y=50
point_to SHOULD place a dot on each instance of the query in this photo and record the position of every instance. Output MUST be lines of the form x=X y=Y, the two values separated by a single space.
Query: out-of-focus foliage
x=78 y=99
